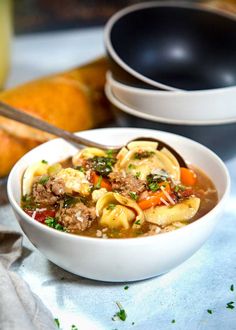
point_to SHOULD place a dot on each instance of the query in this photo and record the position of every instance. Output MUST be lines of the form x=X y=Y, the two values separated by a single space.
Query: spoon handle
x=22 y=117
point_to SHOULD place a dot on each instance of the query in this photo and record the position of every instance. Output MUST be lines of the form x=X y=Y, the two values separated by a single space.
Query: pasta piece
x=87 y=153
x=167 y=215
x=113 y=206
x=118 y=217
x=98 y=193
x=142 y=144
x=75 y=181
x=36 y=169
x=174 y=161
x=145 y=159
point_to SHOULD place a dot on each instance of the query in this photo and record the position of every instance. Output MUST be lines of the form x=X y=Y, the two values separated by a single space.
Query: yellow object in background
x=5 y=37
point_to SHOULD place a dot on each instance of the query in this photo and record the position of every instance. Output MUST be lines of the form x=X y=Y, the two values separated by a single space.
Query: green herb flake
x=69 y=201
x=44 y=179
x=44 y=161
x=98 y=184
x=126 y=287
x=74 y=327
x=137 y=222
x=52 y=222
x=110 y=153
x=154 y=186
x=80 y=168
x=179 y=188
x=209 y=311
x=173 y=321
x=137 y=175
x=133 y=195
x=103 y=165
x=131 y=166
x=133 y=323
x=57 y=322
x=232 y=287
x=111 y=206
x=230 y=305
x=122 y=313
x=26 y=198
x=143 y=154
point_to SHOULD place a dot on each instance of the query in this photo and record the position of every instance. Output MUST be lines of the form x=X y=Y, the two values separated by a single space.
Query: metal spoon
x=22 y=117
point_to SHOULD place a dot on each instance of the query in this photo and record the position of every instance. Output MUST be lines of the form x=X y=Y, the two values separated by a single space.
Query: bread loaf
x=72 y=100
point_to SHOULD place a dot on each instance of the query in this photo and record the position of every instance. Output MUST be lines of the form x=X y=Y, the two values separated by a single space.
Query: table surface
x=184 y=294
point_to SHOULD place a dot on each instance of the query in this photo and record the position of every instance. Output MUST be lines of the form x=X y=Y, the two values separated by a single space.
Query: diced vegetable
x=100 y=182
x=41 y=216
x=188 y=177
x=155 y=198
x=166 y=215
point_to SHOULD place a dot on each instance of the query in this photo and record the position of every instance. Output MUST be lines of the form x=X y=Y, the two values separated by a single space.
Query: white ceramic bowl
x=215 y=105
x=119 y=260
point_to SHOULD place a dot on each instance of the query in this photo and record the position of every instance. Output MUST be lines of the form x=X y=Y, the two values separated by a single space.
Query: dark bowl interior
x=182 y=47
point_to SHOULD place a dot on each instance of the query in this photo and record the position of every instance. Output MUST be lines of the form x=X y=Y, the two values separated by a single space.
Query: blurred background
x=44 y=15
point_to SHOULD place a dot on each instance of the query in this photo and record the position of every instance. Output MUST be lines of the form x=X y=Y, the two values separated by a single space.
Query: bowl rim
x=141 y=240
x=143 y=115
x=137 y=90
x=139 y=6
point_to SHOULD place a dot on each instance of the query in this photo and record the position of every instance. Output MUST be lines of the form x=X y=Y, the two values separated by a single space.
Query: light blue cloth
x=20 y=308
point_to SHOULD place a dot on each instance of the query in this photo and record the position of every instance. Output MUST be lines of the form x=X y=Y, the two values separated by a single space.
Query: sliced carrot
x=188 y=176
x=104 y=183
x=154 y=198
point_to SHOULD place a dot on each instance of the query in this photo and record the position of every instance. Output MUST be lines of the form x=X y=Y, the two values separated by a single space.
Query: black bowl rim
x=139 y=6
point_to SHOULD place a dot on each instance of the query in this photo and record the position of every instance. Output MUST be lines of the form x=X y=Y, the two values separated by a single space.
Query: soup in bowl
x=119 y=216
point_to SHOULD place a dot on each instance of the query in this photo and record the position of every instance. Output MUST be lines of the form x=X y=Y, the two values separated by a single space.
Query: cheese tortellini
x=117 y=211
x=75 y=181
x=167 y=215
x=34 y=170
x=87 y=153
x=142 y=158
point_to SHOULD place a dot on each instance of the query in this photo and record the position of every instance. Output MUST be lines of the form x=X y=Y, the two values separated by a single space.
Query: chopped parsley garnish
x=80 y=168
x=26 y=198
x=98 y=184
x=57 y=322
x=44 y=179
x=230 y=305
x=154 y=186
x=137 y=175
x=126 y=287
x=44 y=161
x=111 y=206
x=143 y=154
x=133 y=323
x=179 y=188
x=232 y=287
x=133 y=195
x=28 y=203
x=153 y=181
x=209 y=311
x=103 y=165
x=122 y=313
x=52 y=222
x=137 y=222
x=69 y=200
x=173 y=321
x=131 y=166
x=74 y=327
x=110 y=153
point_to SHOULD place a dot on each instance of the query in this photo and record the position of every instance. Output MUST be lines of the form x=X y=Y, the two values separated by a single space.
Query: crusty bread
x=72 y=100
